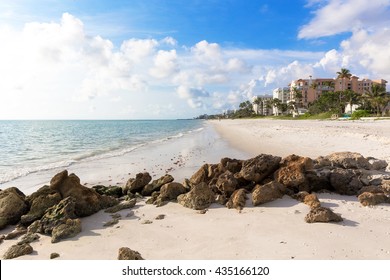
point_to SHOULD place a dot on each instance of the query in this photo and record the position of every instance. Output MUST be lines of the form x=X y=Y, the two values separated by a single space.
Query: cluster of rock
x=56 y=209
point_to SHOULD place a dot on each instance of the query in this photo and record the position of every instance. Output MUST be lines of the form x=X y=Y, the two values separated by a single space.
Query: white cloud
x=339 y=16
x=194 y=96
x=165 y=64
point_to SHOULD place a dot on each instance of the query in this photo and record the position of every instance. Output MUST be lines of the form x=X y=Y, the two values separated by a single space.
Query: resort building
x=262 y=105
x=283 y=94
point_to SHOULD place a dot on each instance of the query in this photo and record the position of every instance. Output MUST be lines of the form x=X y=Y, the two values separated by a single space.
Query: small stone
x=18 y=250
x=116 y=216
x=146 y=222
x=130 y=214
x=28 y=238
x=160 y=217
x=126 y=253
x=54 y=255
x=203 y=211
x=111 y=223
x=121 y=206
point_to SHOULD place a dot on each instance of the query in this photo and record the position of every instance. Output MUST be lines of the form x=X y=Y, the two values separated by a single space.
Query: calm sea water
x=32 y=146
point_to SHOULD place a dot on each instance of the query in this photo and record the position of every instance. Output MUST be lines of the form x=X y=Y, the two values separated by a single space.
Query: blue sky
x=153 y=59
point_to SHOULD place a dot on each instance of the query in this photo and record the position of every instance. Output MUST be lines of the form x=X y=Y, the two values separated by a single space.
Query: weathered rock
x=114 y=191
x=377 y=164
x=57 y=215
x=227 y=183
x=71 y=228
x=127 y=204
x=153 y=198
x=237 y=199
x=258 y=168
x=157 y=184
x=40 y=201
x=147 y=222
x=370 y=199
x=160 y=217
x=228 y=164
x=386 y=186
x=221 y=199
x=322 y=215
x=319 y=180
x=198 y=198
x=170 y=192
x=28 y=238
x=348 y=160
x=309 y=199
x=34 y=227
x=111 y=222
x=292 y=172
x=138 y=183
x=54 y=255
x=126 y=253
x=12 y=206
x=267 y=193
x=18 y=250
x=371 y=189
x=87 y=200
x=200 y=176
x=345 y=181
x=18 y=231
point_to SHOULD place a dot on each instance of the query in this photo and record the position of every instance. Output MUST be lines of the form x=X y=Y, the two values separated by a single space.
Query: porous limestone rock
x=126 y=253
x=267 y=193
x=348 y=160
x=198 y=198
x=138 y=183
x=258 y=168
x=227 y=183
x=237 y=199
x=345 y=181
x=309 y=199
x=17 y=250
x=322 y=215
x=370 y=199
x=169 y=192
x=127 y=204
x=69 y=229
x=156 y=185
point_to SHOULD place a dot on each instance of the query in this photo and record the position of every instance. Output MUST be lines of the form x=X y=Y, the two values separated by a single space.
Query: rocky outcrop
x=40 y=201
x=202 y=175
x=292 y=172
x=237 y=199
x=18 y=250
x=259 y=168
x=156 y=185
x=136 y=184
x=59 y=221
x=169 y=192
x=198 y=198
x=13 y=205
x=126 y=253
x=227 y=183
x=322 y=215
x=370 y=199
x=345 y=181
x=87 y=200
x=348 y=160
x=267 y=193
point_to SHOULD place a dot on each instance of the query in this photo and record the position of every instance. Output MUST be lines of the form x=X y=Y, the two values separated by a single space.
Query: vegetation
x=374 y=102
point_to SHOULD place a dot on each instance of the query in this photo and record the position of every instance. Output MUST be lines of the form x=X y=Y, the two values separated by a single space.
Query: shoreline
x=275 y=230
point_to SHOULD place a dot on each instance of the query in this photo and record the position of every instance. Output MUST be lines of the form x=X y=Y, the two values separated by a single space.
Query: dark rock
x=322 y=215
x=228 y=164
x=198 y=198
x=170 y=192
x=258 y=168
x=221 y=199
x=28 y=238
x=371 y=189
x=160 y=217
x=200 y=176
x=319 y=180
x=57 y=215
x=153 y=198
x=345 y=181
x=267 y=193
x=156 y=185
x=227 y=183
x=370 y=199
x=12 y=206
x=292 y=172
x=126 y=253
x=237 y=199
x=111 y=223
x=114 y=191
x=54 y=255
x=348 y=160
x=121 y=206
x=40 y=201
x=87 y=200
x=18 y=250
x=138 y=183
x=15 y=233
x=71 y=228
x=377 y=164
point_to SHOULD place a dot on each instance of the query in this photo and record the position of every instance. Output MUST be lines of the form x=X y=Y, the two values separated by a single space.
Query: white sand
x=273 y=231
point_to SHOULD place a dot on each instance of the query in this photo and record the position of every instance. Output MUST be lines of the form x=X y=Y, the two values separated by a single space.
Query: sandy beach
x=275 y=230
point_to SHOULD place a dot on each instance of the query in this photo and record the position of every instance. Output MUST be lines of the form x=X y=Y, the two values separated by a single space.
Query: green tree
x=351 y=98
x=377 y=97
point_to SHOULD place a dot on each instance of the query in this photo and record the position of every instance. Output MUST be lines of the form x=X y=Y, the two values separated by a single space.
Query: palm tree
x=297 y=99
x=351 y=98
x=377 y=97
x=258 y=101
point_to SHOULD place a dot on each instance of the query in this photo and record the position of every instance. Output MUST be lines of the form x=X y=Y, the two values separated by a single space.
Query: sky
x=168 y=59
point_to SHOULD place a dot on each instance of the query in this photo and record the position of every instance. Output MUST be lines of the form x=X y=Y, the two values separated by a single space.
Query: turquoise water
x=31 y=146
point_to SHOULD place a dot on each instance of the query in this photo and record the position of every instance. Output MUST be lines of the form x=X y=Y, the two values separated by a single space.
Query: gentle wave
x=18 y=172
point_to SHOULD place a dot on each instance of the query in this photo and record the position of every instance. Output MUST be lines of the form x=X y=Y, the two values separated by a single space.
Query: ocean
x=38 y=145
